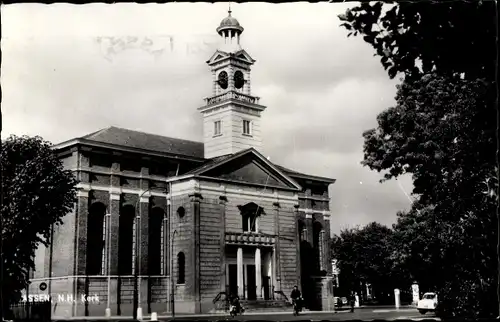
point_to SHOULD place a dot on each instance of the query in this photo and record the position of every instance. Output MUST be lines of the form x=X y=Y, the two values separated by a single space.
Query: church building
x=187 y=223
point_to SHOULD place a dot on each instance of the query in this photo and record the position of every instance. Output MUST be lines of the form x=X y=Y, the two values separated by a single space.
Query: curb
x=148 y=317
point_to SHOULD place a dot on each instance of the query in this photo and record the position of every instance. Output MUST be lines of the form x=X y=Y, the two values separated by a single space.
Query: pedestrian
x=352 y=300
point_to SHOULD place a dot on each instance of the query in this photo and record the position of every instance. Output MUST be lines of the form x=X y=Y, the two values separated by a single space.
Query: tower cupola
x=230 y=31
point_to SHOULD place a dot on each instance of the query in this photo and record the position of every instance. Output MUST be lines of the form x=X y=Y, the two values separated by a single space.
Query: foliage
x=442 y=130
x=37 y=193
x=432 y=133
x=448 y=37
x=363 y=255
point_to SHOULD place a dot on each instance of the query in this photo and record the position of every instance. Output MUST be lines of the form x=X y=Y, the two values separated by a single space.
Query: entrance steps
x=266 y=305
x=257 y=306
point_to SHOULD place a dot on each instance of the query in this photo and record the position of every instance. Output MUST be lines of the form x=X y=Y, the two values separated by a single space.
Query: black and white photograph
x=249 y=161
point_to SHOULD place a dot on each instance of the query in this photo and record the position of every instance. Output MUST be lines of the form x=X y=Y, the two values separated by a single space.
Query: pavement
x=363 y=313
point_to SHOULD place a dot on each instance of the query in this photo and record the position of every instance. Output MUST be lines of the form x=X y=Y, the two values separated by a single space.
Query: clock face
x=223 y=80
x=239 y=80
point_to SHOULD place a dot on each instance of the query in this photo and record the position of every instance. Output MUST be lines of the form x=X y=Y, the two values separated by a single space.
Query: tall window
x=246 y=127
x=317 y=245
x=250 y=214
x=217 y=128
x=126 y=240
x=250 y=222
x=322 y=250
x=155 y=241
x=181 y=268
x=95 y=238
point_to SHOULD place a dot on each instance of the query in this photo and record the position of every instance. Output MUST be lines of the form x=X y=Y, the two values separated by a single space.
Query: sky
x=69 y=70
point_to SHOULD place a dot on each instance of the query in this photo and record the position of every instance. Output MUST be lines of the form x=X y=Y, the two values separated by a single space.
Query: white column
x=258 y=273
x=239 y=270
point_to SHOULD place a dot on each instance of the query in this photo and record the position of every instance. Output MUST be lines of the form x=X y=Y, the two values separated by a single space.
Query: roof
x=210 y=163
x=157 y=143
x=229 y=23
x=294 y=173
x=147 y=141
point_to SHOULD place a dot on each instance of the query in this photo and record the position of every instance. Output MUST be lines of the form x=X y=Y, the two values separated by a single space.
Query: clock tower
x=231 y=115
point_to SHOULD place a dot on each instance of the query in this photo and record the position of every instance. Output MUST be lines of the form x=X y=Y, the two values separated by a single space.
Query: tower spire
x=229 y=11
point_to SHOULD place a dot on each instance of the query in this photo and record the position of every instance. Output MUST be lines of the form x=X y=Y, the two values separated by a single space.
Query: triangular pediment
x=249 y=167
x=243 y=55
x=218 y=55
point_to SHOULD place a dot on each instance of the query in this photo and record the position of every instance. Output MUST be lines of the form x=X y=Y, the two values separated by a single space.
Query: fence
x=30 y=311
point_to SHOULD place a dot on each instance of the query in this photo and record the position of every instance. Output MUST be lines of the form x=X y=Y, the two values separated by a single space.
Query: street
x=359 y=314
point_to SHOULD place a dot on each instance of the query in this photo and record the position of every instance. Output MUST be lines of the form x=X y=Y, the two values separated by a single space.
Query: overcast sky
x=69 y=70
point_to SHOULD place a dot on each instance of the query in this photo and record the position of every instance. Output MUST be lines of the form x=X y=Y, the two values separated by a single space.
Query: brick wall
x=210 y=251
x=234 y=219
x=287 y=247
x=183 y=242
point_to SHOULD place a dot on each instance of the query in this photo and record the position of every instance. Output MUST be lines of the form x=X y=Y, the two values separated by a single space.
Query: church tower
x=231 y=115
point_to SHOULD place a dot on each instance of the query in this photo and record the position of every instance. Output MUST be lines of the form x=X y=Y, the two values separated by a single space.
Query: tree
x=442 y=131
x=448 y=37
x=37 y=194
x=432 y=133
x=363 y=256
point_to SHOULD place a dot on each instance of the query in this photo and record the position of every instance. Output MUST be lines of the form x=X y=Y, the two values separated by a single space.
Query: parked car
x=340 y=301
x=428 y=303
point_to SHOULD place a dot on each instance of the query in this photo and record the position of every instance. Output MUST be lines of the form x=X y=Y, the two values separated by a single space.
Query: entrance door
x=251 y=283
x=233 y=279
x=266 y=284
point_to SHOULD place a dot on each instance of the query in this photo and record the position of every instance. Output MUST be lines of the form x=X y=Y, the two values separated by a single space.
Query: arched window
x=155 y=242
x=126 y=240
x=181 y=268
x=181 y=212
x=318 y=245
x=95 y=238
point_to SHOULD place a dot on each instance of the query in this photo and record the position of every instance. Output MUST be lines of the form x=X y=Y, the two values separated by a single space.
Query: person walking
x=352 y=300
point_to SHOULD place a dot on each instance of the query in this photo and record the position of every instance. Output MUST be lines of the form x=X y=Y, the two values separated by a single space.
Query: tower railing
x=231 y=95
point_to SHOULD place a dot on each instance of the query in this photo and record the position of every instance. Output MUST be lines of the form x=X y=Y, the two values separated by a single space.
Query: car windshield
x=429 y=296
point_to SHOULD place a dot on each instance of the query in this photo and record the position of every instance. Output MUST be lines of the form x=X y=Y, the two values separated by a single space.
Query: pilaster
x=214 y=83
x=115 y=179
x=144 y=246
x=277 y=255
x=167 y=224
x=114 y=211
x=222 y=209
x=144 y=234
x=82 y=211
x=195 y=200
x=297 y=237
x=247 y=86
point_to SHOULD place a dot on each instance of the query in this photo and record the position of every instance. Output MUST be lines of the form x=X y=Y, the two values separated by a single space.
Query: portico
x=250 y=267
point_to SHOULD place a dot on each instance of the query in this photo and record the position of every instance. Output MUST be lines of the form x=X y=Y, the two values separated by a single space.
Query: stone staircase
x=266 y=305
x=256 y=306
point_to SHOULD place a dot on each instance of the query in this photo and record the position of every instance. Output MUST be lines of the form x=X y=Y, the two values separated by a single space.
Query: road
x=359 y=314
